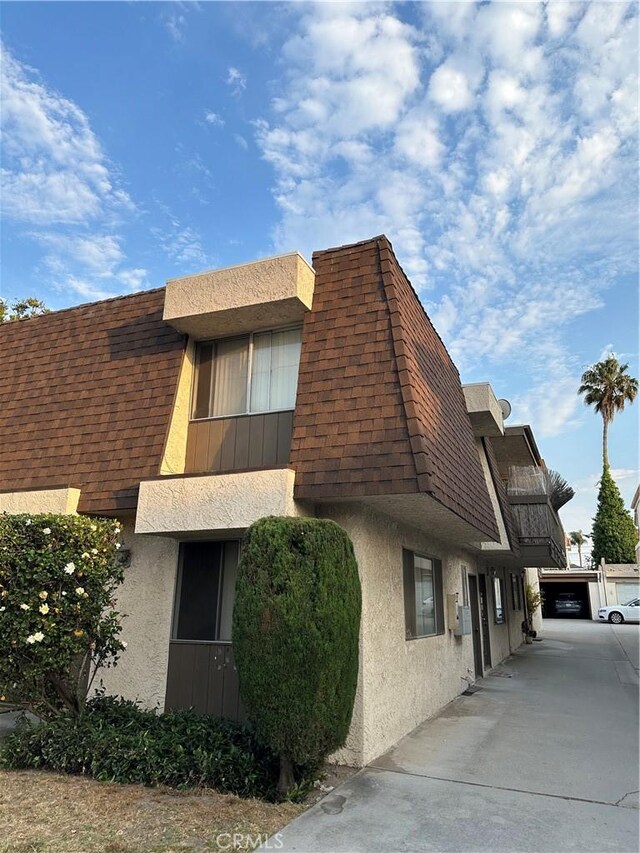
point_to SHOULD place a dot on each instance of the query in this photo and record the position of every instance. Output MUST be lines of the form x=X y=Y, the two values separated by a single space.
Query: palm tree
x=578 y=538
x=607 y=387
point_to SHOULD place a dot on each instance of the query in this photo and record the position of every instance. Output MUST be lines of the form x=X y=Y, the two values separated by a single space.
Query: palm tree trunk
x=580 y=555
x=605 y=455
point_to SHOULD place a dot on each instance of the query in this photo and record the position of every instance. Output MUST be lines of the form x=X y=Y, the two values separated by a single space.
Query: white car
x=618 y=613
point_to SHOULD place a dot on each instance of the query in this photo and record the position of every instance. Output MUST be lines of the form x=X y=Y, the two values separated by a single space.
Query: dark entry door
x=475 y=625
x=484 y=619
x=201 y=672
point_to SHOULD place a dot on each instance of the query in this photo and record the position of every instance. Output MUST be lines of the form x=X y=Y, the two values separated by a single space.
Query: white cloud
x=494 y=143
x=241 y=141
x=450 y=89
x=417 y=140
x=58 y=184
x=236 y=81
x=182 y=244
x=213 y=118
x=175 y=18
x=54 y=168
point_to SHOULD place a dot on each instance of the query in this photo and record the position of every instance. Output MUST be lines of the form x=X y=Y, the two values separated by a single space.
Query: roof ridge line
x=405 y=390
x=57 y=311
x=350 y=245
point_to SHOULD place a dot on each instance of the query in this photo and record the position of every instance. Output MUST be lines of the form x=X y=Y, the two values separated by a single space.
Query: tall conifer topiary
x=296 y=625
x=613 y=534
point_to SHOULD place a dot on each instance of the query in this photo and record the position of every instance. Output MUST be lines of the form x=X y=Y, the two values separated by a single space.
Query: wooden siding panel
x=228 y=448
x=241 y=457
x=218 y=445
x=256 y=434
x=285 y=431
x=270 y=441
x=216 y=680
x=214 y=429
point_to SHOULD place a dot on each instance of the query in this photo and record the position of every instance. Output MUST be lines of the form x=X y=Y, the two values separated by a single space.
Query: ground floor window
x=498 y=600
x=205 y=591
x=423 y=606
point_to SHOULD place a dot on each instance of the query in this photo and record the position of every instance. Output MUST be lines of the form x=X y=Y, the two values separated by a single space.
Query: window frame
x=408 y=582
x=213 y=341
x=502 y=619
x=175 y=616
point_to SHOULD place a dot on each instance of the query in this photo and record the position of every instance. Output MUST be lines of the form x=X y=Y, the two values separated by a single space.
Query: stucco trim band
x=187 y=505
x=62 y=500
x=246 y=298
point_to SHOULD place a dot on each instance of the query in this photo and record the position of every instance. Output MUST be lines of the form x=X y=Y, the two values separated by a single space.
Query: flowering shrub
x=58 y=574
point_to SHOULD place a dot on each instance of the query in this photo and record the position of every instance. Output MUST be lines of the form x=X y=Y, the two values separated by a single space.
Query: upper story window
x=248 y=374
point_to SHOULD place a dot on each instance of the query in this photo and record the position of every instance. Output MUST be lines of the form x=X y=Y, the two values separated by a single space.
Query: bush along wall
x=58 y=576
x=296 y=626
x=114 y=740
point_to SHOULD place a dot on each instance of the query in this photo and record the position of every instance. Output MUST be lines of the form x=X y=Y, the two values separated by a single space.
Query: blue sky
x=495 y=144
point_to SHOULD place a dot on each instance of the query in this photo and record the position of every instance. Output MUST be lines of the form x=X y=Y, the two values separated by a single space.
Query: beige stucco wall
x=146 y=599
x=499 y=634
x=532 y=579
x=401 y=682
x=175 y=450
x=63 y=501
x=242 y=298
x=484 y=410
x=215 y=502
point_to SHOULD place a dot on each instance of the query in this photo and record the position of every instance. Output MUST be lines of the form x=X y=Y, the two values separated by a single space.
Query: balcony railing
x=540 y=533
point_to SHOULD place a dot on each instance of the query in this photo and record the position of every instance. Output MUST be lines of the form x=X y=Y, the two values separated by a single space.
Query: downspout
x=603 y=575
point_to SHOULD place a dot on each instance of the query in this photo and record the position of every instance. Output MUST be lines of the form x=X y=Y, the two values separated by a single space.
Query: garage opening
x=567 y=600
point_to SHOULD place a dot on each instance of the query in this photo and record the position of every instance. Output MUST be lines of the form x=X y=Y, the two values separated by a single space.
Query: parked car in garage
x=567 y=604
x=617 y=613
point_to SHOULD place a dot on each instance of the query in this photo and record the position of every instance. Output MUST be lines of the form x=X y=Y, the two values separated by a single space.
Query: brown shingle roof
x=86 y=397
x=380 y=408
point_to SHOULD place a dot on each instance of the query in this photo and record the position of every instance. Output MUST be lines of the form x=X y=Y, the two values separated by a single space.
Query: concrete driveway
x=545 y=760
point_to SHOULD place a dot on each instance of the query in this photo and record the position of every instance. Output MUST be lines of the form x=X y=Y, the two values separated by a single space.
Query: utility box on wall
x=459 y=616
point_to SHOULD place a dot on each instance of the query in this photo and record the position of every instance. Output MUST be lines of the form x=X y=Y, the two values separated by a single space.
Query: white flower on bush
x=2 y=609
x=44 y=609
x=70 y=568
x=94 y=550
x=85 y=555
x=25 y=607
x=27 y=522
x=43 y=595
x=63 y=593
x=94 y=527
x=118 y=545
x=124 y=645
x=79 y=590
x=38 y=637
x=46 y=530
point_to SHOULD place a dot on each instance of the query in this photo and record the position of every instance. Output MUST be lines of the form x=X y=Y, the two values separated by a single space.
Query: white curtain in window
x=425 y=597
x=261 y=372
x=274 y=370
x=230 y=377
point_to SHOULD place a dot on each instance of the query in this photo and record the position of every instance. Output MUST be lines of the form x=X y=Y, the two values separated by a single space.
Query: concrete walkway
x=545 y=760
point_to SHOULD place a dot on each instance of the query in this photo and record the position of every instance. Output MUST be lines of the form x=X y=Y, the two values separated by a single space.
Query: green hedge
x=114 y=740
x=296 y=624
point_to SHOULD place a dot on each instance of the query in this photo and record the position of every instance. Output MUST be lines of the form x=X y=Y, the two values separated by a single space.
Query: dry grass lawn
x=48 y=813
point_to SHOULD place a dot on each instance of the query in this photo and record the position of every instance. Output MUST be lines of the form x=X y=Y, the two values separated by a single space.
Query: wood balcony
x=240 y=443
x=540 y=533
